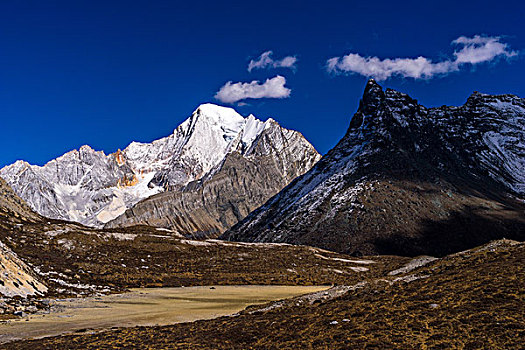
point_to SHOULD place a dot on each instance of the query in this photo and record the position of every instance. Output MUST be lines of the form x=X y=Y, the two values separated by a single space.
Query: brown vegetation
x=472 y=300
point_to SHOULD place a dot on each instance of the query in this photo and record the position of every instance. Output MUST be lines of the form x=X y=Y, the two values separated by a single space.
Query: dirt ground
x=145 y=307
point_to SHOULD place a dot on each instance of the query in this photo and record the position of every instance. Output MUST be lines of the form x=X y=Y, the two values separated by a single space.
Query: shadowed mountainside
x=404 y=175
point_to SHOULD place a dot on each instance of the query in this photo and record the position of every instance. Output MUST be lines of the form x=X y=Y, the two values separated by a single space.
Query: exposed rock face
x=93 y=188
x=13 y=207
x=244 y=180
x=407 y=180
x=75 y=186
x=16 y=278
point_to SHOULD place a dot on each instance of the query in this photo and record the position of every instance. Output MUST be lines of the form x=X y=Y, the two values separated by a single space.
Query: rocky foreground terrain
x=407 y=180
x=472 y=300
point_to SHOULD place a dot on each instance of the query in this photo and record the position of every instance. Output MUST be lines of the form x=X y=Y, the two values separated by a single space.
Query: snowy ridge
x=92 y=188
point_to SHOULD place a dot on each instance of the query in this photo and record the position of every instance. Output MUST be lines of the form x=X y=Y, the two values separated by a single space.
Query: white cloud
x=271 y=88
x=472 y=51
x=417 y=68
x=265 y=61
x=480 y=49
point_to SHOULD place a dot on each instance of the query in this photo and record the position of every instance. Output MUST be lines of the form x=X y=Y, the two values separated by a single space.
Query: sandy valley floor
x=145 y=307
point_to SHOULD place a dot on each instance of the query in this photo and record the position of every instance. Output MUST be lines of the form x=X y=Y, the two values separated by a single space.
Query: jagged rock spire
x=372 y=97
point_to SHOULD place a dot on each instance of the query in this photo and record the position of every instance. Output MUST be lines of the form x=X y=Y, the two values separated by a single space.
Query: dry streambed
x=145 y=307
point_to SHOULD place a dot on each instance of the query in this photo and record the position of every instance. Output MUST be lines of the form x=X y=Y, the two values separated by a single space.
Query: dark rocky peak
x=483 y=137
x=384 y=109
x=372 y=99
x=427 y=180
x=370 y=103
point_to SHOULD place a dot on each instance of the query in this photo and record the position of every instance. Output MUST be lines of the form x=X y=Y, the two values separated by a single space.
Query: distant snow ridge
x=93 y=188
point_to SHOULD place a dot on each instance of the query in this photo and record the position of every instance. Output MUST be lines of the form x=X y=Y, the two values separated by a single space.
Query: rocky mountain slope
x=16 y=278
x=92 y=188
x=13 y=207
x=243 y=181
x=407 y=180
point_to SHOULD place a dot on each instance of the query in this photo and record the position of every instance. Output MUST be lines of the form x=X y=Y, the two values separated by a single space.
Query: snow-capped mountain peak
x=91 y=187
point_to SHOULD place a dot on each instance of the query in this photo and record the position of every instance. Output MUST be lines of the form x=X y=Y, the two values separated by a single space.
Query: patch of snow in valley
x=412 y=265
x=365 y=262
x=121 y=236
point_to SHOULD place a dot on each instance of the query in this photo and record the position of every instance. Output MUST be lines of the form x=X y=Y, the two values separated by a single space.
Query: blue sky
x=105 y=73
